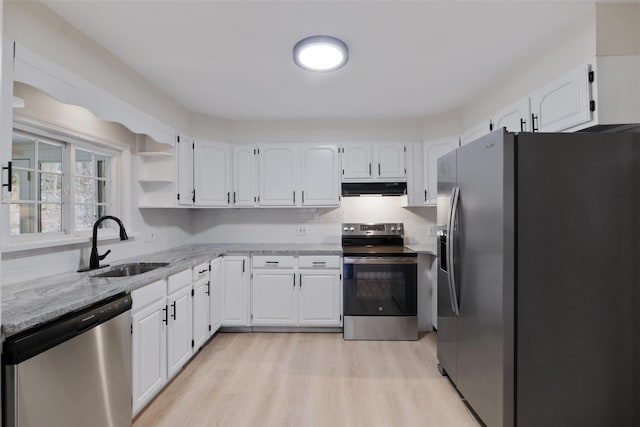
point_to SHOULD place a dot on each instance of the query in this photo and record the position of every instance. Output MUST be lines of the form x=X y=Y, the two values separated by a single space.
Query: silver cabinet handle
x=455 y=197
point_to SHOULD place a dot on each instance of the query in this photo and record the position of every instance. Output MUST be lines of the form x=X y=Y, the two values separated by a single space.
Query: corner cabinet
x=236 y=284
x=432 y=151
x=379 y=161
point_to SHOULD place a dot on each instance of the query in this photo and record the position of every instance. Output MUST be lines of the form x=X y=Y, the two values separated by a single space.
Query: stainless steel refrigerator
x=539 y=278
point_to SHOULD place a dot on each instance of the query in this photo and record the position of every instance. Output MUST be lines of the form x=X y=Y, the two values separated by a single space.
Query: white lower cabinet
x=201 y=303
x=216 y=295
x=162 y=334
x=319 y=301
x=274 y=298
x=149 y=342
x=296 y=291
x=236 y=280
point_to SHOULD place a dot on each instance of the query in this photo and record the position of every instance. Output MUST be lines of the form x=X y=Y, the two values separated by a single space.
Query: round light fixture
x=320 y=53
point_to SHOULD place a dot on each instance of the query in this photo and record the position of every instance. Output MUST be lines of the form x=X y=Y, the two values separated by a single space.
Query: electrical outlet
x=149 y=235
x=301 y=230
x=431 y=230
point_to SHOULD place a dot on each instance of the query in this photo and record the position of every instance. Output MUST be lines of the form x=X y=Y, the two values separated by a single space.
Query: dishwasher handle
x=24 y=345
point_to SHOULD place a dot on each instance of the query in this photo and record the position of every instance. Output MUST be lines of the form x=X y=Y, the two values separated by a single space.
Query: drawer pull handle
x=203 y=271
x=272 y=262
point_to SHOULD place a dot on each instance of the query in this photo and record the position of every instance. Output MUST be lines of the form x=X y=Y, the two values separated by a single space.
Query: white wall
x=554 y=57
x=618 y=29
x=38 y=28
x=323 y=225
x=338 y=130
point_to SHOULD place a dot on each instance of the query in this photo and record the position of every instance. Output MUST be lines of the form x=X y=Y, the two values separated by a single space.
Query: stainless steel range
x=380 y=283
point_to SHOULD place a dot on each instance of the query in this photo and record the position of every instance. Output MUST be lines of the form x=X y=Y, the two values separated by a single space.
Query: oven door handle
x=380 y=260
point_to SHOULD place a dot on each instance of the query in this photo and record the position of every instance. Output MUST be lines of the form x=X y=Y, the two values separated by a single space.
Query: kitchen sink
x=131 y=269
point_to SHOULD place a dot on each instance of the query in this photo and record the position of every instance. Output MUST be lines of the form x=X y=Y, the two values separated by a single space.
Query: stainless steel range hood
x=353 y=189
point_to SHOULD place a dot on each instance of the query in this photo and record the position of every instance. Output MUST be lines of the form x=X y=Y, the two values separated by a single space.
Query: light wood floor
x=309 y=379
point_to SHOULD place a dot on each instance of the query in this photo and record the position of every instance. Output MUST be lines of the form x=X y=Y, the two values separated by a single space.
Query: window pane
x=102 y=163
x=84 y=217
x=84 y=163
x=102 y=192
x=102 y=211
x=50 y=187
x=85 y=190
x=23 y=149
x=50 y=217
x=50 y=157
x=22 y=218
x=23 y=185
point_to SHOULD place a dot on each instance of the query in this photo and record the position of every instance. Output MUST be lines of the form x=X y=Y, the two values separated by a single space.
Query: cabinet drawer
x=279 y=261
x=200 y=271
x=319 y=261
x=148 y=294
x=178 y=281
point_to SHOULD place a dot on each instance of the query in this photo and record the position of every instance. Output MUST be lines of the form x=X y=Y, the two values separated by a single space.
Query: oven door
x=380 y=286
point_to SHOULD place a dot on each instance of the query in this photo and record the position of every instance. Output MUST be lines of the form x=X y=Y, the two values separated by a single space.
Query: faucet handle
x=104 y=255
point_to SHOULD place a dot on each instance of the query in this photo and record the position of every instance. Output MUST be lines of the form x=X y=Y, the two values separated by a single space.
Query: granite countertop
x=34 y=302
x=423 y=248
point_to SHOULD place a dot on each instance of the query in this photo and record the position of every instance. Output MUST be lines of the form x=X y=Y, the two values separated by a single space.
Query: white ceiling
x=233 y=59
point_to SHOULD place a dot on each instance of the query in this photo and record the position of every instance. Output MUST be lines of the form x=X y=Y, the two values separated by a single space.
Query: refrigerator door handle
x=455 y=197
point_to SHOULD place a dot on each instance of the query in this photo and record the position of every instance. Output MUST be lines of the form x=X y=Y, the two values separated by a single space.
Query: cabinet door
x=184 y=147
x=432 y=150
x=481 y=129
x=563 y=103
x=277 y=175
x=357 y=161
x=200 y=313
x=319 y=298
x=236 y=291
x=244 y=176
x=320 y=175
x=179 y=331
x=149 y=352
x=390 y=161
x=212 y=173
x=274 y=298
x=216 y=297
x=515 y=117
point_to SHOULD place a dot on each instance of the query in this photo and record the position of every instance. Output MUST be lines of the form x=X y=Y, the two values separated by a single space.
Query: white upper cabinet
x=563 y=103
x=278 y=171
x=319 y=175
x=212 y=173
x=245 y=175
x=432 y=150
x=184 y=146
x=389 y=161
x=514 y=117
x=357 y=161
x=381 y=161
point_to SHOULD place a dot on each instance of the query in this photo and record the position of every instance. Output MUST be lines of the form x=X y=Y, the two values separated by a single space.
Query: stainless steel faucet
x=94 y=260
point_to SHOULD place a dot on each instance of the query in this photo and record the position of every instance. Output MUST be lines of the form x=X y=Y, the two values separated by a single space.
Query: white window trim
x=120 y=165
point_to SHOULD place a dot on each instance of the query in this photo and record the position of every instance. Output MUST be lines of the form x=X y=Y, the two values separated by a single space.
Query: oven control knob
x=345 y=229
x=399 y=229
x=351 y=229
x=393 y=229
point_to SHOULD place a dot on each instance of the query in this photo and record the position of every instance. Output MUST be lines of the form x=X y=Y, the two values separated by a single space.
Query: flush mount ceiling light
x=320 y=53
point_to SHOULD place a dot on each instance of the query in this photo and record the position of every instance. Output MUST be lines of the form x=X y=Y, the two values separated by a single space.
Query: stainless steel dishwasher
x=75 y=371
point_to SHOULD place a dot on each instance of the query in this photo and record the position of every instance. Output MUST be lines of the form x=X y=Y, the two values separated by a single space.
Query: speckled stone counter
x=31 y=303
x=421 y=248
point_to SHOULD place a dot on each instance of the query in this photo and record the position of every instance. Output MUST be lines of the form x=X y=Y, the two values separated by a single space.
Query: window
x=51 y=196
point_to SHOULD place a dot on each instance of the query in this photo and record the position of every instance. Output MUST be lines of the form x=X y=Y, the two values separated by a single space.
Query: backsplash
x=322 y=224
